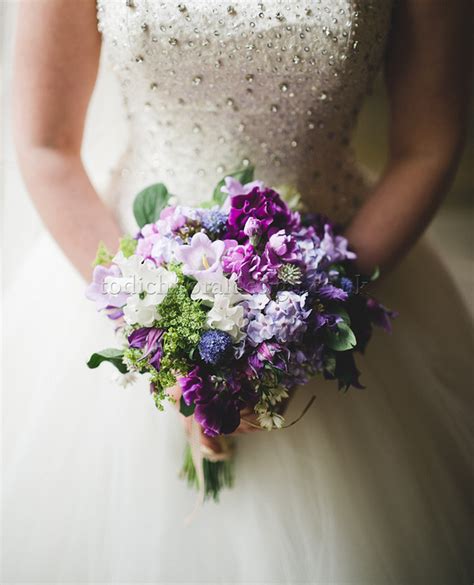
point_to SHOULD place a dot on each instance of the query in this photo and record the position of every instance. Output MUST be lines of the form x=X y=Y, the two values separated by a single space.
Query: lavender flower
x=201 y=256
x=98 y=291
x=284 y=319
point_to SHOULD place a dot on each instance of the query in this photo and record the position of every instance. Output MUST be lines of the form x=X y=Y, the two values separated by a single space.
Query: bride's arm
x=428 y=82
x=57 y=55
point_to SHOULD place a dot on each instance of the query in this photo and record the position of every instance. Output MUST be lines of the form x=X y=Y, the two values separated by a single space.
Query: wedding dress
x=371 y=486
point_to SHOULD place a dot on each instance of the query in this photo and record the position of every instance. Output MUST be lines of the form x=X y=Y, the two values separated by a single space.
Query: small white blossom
x=140 y=310
x=225 y=317
x=147 y=285
x=124 y=380
x=271 y=420
x=276 y=395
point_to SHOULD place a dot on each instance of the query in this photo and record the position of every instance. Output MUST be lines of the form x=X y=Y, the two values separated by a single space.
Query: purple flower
x=172 y=219
x=268 y=353
x=201 y=255
x=148 y=339
x=334 y=248
x=280 y=249
x=248 y=266
x=214 y=345
x=234 y=187
x=147 y=238
x=97 y=290
x=264 y=205
x=217 y=405
x=289 y=315
x=219 y=416
x=330 y=292
x=284 y=246
x=380 y=315
x=255 y=273
x=192 y=387
x=261 y=329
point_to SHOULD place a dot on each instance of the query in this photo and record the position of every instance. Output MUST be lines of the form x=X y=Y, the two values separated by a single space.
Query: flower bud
x=253 y=227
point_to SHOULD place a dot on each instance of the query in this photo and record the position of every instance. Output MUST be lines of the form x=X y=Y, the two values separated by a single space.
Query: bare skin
x=428 y=61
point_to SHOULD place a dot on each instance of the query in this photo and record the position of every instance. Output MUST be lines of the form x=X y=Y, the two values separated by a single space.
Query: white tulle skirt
x=372 y=486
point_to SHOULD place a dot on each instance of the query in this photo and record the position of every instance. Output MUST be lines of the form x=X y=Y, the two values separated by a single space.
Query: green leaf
x=342 y=339
x=103 y=256
x=149 y=203
x=184 y=409
x=340 y=312
x=375 y=275
x=111 y=355
x=244 y=176
x=128 y=246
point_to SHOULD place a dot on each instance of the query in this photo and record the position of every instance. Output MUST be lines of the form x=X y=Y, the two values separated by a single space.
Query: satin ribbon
x=197 y=457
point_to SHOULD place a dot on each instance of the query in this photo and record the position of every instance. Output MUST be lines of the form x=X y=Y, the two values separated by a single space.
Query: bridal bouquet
x=236 y=303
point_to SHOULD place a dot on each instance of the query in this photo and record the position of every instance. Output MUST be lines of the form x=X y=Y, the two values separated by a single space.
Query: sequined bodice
x=211 y=86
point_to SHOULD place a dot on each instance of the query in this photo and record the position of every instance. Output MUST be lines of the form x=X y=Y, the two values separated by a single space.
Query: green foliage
x=184 y=409
x=133 y=359
x=149 y=203
x=103 y=256
x=342 y=339
x=243 y=176
x=113 y=356
x=217 y=475
x=183 y=319
x=375 y=274
x=128 y=246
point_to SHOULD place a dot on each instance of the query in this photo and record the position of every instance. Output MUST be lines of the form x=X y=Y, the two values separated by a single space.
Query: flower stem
x=217 y=475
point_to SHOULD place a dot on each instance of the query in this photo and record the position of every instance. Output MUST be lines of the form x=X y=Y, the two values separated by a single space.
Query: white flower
x=121 y=337
x=257 y=302
x=165 y=249
x=276 y=395
x=124 y=380
x=139 y=310
x=270 y=420
x=216 y=284
x=225 y=317
x=147 y=285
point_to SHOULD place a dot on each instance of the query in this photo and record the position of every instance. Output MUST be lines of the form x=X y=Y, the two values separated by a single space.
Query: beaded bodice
x=211 y=86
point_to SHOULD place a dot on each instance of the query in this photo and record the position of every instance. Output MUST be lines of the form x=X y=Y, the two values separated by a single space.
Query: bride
x=370 y=487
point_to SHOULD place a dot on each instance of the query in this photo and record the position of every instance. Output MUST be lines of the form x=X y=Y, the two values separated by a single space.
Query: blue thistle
x=347 y=285
x=213 y=346
x=214 y=221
